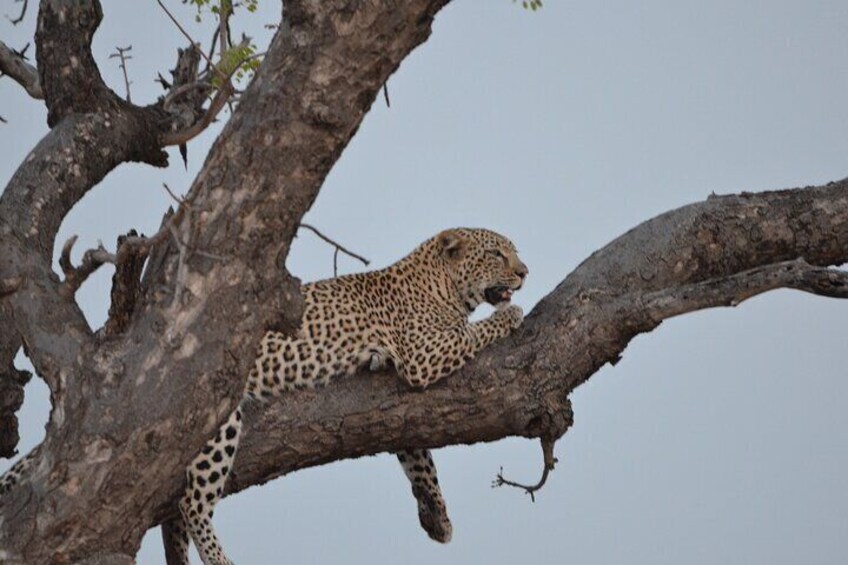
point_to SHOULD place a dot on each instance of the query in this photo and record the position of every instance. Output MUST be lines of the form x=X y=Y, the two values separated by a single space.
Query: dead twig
x=225 y=91
x=121 y=53
x=20 y=18
x=179 y=200
x=550 y=462
x=338 y=247
x=92 y=260
x=187 y=36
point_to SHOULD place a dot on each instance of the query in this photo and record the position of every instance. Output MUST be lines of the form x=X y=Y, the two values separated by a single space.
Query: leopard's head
x=483 y=264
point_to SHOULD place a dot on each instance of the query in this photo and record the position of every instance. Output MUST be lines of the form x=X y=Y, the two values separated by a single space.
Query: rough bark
x=714 y=253
x=13 y=64
x=131 y=408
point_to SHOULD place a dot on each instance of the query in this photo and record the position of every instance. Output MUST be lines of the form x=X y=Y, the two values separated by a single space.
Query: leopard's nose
x=521 y=270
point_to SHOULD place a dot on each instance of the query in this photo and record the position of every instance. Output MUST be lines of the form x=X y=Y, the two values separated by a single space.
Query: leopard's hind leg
x=432 y=510
x=205 y=479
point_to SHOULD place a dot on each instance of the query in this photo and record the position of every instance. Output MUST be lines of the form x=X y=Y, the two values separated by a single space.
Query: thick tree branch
x=131 y=410
x=163 y=385
x=15 y=66
x=68 y=73
x=706 y=254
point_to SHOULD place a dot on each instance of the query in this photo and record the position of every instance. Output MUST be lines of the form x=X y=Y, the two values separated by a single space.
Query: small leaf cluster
x=215 y=6
x=530 y=4
x=238 y=61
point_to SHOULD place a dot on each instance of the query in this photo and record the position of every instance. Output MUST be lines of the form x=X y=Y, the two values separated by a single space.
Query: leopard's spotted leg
x=432 y=510
x=431 y=355
x=421 y=364
x=205 y=485
x=175 y=539
x=13 y=475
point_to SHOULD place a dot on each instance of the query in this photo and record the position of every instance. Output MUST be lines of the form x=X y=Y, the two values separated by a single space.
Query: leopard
x=413 y=315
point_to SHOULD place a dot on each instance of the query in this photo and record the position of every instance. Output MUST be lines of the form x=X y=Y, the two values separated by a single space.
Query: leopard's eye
x=498 y=253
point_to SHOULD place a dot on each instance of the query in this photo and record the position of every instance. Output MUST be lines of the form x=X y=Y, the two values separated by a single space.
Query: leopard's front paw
x=513 y=314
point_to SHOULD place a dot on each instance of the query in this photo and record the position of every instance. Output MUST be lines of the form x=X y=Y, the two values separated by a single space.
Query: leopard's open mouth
x=497 y=294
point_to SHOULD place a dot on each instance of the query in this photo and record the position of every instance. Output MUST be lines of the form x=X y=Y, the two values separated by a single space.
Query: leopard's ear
x=452 y=245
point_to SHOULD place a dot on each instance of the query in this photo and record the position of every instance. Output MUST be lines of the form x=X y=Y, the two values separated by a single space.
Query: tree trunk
x=133 y=405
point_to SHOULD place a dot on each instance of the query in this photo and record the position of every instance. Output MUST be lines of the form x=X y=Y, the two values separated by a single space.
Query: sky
x=721 y=437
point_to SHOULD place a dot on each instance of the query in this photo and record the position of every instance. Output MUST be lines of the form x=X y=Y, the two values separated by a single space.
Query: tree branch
x=121 y=53
x=68 y=73
x=178 y=370
x=92 y=260
x=549 y=461
x=338 y=247
x=13 y=64
x=733 y=290
x=185 y=135
x=20 y=17
x=130 y=412
x=712 y=253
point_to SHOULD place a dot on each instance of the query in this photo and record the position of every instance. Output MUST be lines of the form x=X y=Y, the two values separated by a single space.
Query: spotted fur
x=13 y=475
x=412 y=315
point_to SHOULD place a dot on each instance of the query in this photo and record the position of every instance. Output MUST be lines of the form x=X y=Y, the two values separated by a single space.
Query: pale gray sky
x=721 y=437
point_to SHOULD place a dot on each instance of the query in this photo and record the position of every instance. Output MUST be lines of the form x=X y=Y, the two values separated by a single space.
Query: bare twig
x=174 y=197
x=13 y=63
x=212 y=46
x=91 y=261
x=338 y=247
x=133 y=248
x=550 y=462
x=20 y=18
x=121 y=53
x=163 y=81
x=203 y=83
x=190 y=39
x=386 y=94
